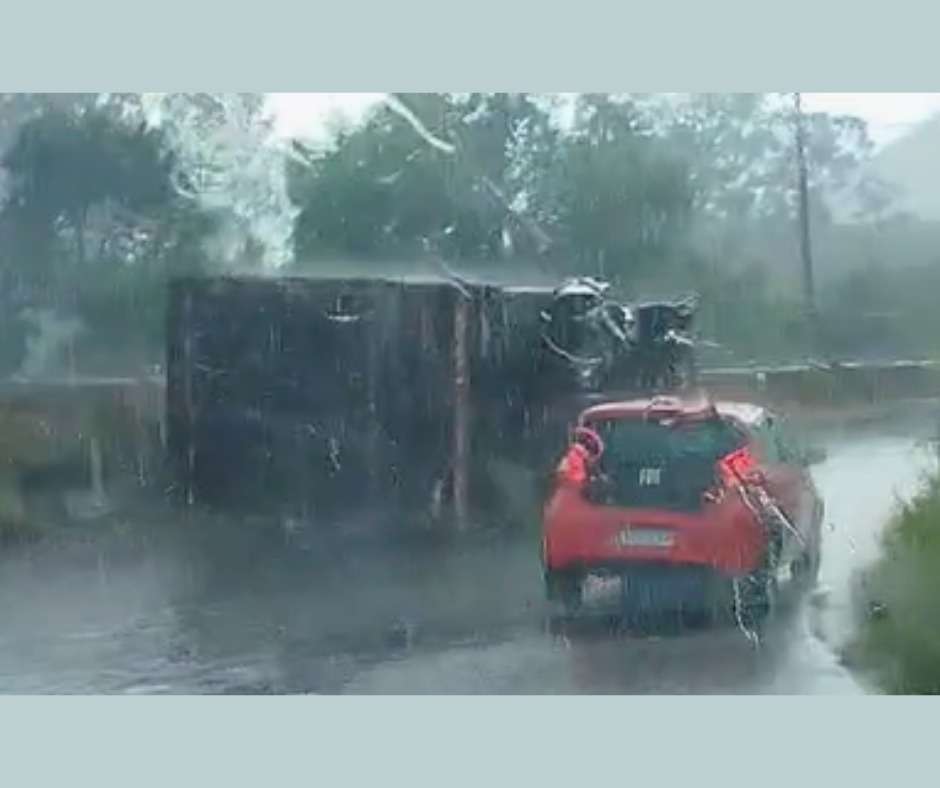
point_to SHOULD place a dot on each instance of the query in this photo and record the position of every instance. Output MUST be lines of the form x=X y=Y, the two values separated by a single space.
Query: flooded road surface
x=193 y=617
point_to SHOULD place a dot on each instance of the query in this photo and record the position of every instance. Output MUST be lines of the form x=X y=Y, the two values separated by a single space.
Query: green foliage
x=899 y=642
x=385 y=192
x=882 y=309
x=608 y=194
x=654 y=195
x=65 y=162
x=91 y=228
x=621 y=198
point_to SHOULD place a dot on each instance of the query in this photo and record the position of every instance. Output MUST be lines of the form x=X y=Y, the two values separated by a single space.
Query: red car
x=692 y=503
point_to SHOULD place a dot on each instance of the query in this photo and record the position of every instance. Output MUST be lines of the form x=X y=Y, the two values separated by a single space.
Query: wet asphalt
x=195 y=615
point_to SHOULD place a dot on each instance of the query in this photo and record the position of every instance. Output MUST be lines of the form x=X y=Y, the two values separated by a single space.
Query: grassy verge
x=898 y=644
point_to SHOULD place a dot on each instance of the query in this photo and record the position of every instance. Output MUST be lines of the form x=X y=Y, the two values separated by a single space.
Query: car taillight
x=737 y=465
x=572 y=470
x=730 y=471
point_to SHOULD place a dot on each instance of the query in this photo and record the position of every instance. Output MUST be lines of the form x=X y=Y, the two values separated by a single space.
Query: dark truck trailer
x=320 y=396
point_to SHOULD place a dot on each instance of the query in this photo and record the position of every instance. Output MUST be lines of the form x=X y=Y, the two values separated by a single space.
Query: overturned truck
x=321 y=396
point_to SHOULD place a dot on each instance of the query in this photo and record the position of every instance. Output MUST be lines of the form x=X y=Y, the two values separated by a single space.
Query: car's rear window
x=662 y=465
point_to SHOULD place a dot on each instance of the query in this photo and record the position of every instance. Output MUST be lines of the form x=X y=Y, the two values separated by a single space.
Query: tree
x=619 y=198
x=741 y=152
x=104 y=196
x=64 y=164
x=228 y=165
x=92 y=226
x=740 y=146
x=437 y=172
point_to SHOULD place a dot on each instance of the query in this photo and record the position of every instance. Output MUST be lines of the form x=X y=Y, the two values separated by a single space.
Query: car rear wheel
x=755 y=600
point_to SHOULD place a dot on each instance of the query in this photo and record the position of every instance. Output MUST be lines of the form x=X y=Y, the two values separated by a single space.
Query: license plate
x=645 y=537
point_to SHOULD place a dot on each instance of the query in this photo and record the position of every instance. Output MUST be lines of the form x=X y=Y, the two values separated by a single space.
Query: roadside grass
x=898 y=641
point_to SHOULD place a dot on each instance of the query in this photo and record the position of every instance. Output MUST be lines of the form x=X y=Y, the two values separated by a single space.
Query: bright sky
x=889 y=114
x=307 y=114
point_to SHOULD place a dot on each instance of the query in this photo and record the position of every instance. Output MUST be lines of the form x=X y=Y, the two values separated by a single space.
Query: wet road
x=186 y=616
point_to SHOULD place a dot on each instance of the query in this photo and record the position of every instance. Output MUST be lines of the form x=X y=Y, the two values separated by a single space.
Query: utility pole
x=461 y=460
x=809 y=290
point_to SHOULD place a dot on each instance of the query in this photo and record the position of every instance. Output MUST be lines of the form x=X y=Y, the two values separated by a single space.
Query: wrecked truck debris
x=321 y=395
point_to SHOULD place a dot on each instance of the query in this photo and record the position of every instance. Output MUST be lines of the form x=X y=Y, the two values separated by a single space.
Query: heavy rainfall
x=467 y=393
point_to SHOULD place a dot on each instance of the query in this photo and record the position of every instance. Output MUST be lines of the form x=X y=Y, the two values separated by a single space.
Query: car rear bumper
x=650 y=588
x=578 y=536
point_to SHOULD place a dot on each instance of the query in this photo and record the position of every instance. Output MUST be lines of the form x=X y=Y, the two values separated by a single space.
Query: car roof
x=747 y=413
x=694 y=406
